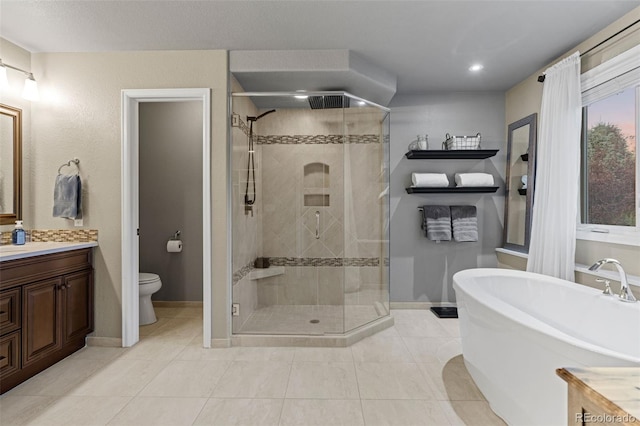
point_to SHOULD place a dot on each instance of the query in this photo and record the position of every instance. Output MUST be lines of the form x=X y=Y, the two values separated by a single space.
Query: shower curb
x=320 y=341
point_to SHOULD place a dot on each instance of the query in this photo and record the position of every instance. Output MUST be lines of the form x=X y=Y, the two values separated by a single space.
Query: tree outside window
x=610 y=176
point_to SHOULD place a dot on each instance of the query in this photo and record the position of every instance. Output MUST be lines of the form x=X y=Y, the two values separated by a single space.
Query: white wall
x=421 y=269
x=79 y=116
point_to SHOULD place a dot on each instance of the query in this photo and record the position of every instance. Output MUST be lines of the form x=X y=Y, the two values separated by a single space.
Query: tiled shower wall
x=350 y=243
x=345 y=264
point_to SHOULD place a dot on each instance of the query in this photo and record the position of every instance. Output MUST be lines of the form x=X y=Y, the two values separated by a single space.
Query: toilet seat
x=146 y=278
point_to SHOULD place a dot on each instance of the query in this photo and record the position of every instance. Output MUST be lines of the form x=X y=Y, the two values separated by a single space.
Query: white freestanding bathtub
x=518 y=327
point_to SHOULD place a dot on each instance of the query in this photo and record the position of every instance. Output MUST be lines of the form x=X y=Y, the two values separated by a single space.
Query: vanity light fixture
x=476 y=67
x=4 y=81
x=30 y=91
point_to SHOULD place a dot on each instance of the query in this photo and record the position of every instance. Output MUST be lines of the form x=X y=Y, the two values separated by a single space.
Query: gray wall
x=171 y=196
x=421 y=269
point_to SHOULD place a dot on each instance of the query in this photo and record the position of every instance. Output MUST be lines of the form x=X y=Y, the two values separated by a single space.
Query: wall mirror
x=521 y=175
x=10 y=164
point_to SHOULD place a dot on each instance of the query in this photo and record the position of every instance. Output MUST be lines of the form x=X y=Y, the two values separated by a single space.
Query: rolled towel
x=465 y=223
x=431 y=180
x=436 y=222
x=474 y=179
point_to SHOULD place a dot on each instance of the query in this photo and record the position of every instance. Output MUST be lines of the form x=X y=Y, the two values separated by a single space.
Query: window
x=610 y=160
x=610 y=200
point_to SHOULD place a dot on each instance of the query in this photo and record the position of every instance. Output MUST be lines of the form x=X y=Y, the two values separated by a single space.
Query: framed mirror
x=521 y=176
x=10 y=164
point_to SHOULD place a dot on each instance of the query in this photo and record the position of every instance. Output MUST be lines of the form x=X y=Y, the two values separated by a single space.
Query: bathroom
x=77 y=117
x=170 y=199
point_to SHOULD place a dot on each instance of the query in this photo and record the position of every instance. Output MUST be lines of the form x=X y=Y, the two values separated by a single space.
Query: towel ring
x=68 y=164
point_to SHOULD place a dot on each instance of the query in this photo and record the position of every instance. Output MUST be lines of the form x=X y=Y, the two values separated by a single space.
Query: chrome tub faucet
x=625 y=292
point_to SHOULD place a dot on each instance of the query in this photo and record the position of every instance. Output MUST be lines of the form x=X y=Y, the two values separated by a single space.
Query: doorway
x=131 y=101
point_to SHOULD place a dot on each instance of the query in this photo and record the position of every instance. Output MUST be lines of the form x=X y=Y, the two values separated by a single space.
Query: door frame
x=130 y=209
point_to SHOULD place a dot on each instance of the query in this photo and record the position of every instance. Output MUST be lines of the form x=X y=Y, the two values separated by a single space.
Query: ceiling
x=425 y=45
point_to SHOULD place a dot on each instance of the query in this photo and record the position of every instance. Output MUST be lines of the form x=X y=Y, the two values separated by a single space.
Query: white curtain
x=555 y=205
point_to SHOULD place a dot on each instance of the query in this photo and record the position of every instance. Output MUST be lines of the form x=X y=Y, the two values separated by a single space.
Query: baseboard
x=176 y=304
x=109 y=342
x=220 y=343
x=419 y=305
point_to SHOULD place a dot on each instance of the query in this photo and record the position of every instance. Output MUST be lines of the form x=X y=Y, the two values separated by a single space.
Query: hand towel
x=436 y=222
x=67 y=197
x=465 y=223
x=429 y=180
x=474 y=179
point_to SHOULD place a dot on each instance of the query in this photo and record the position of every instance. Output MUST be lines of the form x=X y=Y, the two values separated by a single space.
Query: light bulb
x=30 y=91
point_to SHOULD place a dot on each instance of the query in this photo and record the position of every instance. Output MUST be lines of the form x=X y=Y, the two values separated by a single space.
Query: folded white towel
x=474 y=179
x=431 y=180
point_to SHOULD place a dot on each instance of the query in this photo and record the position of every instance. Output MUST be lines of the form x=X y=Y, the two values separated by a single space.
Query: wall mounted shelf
x=453 y=189
x=460 y=154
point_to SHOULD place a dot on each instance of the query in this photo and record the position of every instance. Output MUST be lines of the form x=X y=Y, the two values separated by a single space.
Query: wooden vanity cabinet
x=47 y=311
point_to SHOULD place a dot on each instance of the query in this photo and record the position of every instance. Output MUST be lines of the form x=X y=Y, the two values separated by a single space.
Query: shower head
x=260 y=116
x=328 y=101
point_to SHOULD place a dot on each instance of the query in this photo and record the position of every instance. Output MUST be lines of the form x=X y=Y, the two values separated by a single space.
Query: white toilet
x=148 y=284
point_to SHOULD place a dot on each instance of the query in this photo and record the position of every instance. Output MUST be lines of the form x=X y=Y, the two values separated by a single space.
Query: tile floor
x=410 y=374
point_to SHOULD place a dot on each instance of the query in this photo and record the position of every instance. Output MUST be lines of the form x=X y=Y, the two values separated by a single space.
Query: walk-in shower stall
x=310 y=195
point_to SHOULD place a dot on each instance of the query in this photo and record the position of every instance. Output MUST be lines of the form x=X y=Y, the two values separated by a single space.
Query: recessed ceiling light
x=300 y=96
x=476 y=67
x=361 y=103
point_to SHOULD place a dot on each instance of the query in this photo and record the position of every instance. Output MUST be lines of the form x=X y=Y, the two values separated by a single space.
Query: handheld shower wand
x=251 y=168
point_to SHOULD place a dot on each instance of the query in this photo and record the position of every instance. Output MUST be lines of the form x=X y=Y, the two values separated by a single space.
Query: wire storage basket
x=461 y=142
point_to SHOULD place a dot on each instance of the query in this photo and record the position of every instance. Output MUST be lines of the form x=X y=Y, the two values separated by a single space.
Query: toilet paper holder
x=176 y=236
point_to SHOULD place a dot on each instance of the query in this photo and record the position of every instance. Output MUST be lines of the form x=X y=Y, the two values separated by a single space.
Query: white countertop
x=12 y=252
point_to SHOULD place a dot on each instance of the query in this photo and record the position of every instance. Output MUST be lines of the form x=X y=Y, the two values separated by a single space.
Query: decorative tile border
x=310 y=261
x=56 y=236
x=324 y=261
x=243 y=126
x=316 y=139
x=64 y=235
x=242 y=272
x=5 y=238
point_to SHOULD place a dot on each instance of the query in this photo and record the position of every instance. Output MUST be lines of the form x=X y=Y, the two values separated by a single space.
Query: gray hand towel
x=436 y=222
x=67 y=197
x=465 y=223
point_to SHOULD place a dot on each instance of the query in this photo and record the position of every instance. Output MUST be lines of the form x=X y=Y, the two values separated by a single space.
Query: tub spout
x=625 y=292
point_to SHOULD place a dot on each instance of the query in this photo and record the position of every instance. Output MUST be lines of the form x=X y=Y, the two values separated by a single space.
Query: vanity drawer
x=31 y=269
x=9 y=354
x=9 y=310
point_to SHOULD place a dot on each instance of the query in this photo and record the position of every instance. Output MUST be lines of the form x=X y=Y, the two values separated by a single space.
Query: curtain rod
x=542 y=77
